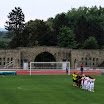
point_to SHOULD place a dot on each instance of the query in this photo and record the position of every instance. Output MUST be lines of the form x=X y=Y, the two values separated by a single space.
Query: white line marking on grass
x=19 y=87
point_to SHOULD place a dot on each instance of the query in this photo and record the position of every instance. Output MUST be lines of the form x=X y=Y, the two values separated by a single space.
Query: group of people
x=83 y=81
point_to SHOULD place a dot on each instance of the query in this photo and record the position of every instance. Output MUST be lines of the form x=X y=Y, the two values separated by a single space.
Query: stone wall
x=89 y=58
x=60 y=54
x=7 y=56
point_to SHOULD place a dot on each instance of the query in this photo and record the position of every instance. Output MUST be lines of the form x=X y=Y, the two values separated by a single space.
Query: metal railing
x=11 y=63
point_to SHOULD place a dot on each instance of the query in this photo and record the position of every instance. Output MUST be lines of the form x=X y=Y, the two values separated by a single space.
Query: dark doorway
x=45 y=57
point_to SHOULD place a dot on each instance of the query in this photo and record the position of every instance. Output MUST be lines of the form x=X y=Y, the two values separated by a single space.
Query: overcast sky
x=42 y=9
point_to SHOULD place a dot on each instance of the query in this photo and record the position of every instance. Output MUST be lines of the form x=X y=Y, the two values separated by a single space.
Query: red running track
x=54 y=72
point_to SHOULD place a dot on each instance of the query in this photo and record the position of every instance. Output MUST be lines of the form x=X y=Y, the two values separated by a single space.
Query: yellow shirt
x=74 y=76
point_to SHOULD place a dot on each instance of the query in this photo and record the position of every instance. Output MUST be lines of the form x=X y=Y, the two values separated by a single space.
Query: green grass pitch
x=48 y=89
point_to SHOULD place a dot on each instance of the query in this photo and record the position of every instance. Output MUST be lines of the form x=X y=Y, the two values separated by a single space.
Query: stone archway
x=45 y=57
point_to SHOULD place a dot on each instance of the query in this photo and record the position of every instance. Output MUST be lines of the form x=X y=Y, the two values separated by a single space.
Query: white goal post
x=49 y=66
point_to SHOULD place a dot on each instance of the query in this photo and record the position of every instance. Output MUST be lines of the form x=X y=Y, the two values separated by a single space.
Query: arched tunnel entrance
x=45 y=57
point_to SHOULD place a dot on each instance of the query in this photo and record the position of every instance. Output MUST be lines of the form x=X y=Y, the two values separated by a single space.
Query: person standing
x=74 y=79
x=66 y=70
x=81 y=64
x=81 y=70
x=91 y=89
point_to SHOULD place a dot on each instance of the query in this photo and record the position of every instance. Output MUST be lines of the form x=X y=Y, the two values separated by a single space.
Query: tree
x=15 y=25
x=51 y=37
x=59 y=21
x=66 y=38
x=81 y=29
x=90 y=43
x=3 y=45
x=37 y=31
x=86 y=22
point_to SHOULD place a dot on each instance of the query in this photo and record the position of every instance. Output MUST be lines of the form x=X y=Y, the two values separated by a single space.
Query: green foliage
x=2 y=33
x=16 y=42
x=39 y=31
x=49 y=22
x=3 y=45
x=90 y=43
x=87 y=22
x=15 y=26
x=36 y=31
x=51 y=38
x=3 y=36
x=66 y=38
x=59 y=21
x=84 y=22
